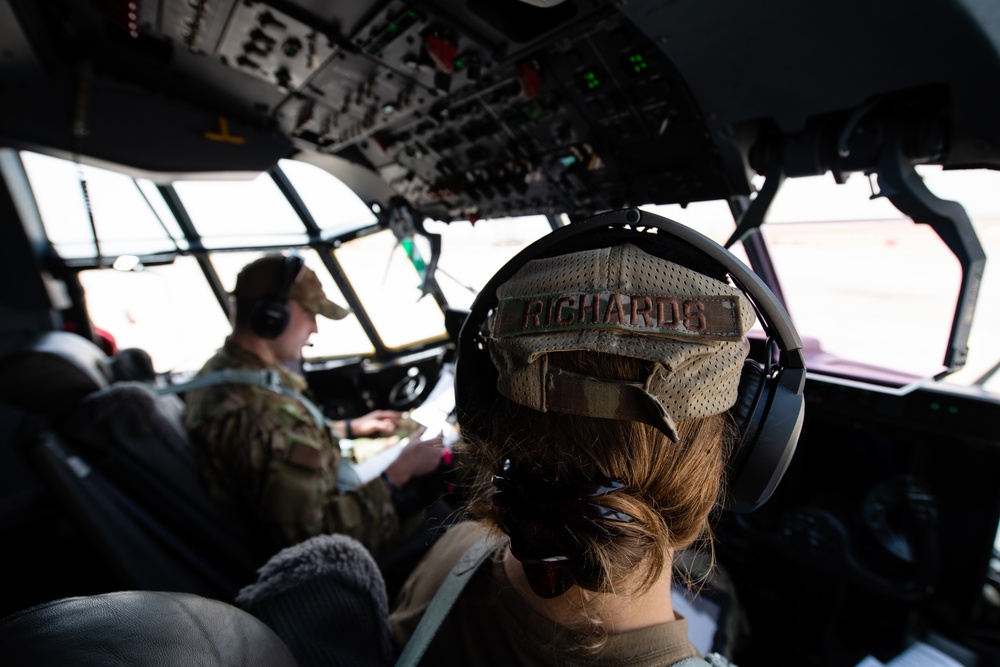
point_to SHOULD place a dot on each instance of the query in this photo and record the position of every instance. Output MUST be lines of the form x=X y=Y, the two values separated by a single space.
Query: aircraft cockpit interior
x=847 y=153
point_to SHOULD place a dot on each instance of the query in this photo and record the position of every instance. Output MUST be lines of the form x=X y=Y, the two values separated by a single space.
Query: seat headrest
x=326 y=599
x=52 y=372
x=140 y=628
x=133 y=364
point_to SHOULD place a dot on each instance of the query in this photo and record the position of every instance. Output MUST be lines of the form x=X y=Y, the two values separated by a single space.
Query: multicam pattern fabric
x=621 y=300
x=264 y=452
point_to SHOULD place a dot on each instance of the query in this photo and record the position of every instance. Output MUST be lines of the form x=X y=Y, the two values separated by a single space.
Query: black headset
x=269 y=314
x=770 y=407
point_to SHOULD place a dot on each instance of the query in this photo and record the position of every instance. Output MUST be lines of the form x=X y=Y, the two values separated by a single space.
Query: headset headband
x=291 y=270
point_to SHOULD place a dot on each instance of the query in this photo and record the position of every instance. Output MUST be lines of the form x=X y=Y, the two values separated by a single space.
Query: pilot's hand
x=375 y=423
x=419 y=457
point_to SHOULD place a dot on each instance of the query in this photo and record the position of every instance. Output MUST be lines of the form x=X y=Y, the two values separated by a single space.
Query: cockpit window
x=711 y=218
x=472 y=252
x=167 y=310
x=389 y=279
x=977 y=191
x=872 y=293
x=334 y=207
x=880 y=293
x=70 y=195
x=241 y=213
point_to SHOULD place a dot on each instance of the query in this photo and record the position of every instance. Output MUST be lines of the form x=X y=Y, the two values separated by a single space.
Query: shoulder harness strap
x=347 y=476
x=443 y=600
x=268 y=379
x=452 y=587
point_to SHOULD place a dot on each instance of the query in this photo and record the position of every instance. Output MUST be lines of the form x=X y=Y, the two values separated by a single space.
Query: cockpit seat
x=140 y=628
x=326 y=599
x=52 y=372
x=125 y=467
x=116 y=456
x=133 y=364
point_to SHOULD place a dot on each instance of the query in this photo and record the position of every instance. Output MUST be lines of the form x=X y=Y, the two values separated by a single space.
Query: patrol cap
x=621 y=300
x=265 y=277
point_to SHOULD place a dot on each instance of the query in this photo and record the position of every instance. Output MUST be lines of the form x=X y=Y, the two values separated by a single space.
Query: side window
x=168 y=310
x=871 y=292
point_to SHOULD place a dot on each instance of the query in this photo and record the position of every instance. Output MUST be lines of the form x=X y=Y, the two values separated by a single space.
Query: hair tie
x=545 y=519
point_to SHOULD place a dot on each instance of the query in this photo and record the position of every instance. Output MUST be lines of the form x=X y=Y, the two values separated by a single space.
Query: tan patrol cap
x=623 y=301
x=266 y=276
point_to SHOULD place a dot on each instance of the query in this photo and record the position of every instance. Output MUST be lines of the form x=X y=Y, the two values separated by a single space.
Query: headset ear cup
x=747 y=415
x=751 y=385
x=269 y=317
x=773 y=409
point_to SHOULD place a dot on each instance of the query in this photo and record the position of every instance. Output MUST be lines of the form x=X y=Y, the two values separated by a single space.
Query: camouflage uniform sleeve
x=299 y=497
x=272 y=458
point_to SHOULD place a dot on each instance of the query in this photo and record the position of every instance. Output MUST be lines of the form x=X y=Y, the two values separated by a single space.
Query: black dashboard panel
x=889 y=511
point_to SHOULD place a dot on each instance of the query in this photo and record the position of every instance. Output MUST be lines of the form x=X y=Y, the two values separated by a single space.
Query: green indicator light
x=935 y=406
x=393 y=27
x=459 y=63
x=591 y=80
x=952 y=410
x=411 y=15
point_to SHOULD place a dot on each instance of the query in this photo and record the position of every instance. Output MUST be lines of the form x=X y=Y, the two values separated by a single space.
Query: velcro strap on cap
x=577 y=394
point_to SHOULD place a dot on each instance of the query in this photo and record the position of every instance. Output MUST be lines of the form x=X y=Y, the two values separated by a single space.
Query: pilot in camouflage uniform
x=263 y=450
x=267 y=453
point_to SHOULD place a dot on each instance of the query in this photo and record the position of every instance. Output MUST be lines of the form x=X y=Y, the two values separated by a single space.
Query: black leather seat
x=139 y=628
x=145 y=466
x=51 y=372
x=117 y=458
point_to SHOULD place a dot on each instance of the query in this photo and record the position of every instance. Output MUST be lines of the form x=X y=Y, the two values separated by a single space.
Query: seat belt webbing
x=347 y=477
x=444 y=599
x=268 y=379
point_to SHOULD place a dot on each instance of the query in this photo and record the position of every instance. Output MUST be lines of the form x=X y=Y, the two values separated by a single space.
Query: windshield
x=144 y=290
x=871 y=292
x=473 y=251
x=390 y=282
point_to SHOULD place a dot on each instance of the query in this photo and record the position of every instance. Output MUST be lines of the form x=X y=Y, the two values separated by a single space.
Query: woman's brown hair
x=670 y=489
